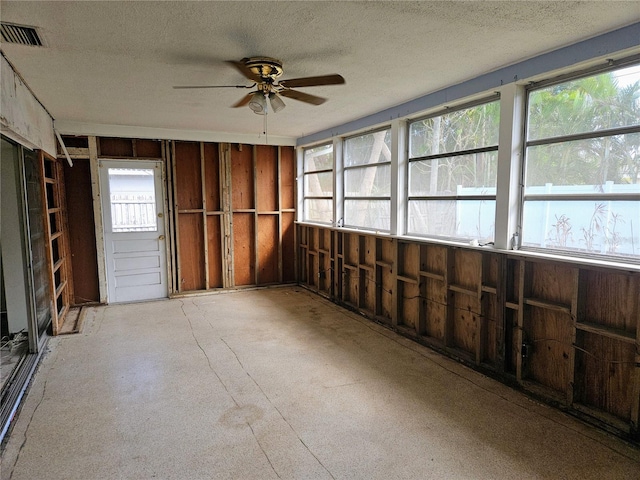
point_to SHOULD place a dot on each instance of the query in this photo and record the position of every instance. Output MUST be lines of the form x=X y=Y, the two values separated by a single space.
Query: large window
x=582 y=166
x=452 y=173
x=367 y=180
x=318 y=184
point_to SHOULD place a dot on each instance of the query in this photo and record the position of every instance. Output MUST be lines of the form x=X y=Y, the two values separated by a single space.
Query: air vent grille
x=20 y=34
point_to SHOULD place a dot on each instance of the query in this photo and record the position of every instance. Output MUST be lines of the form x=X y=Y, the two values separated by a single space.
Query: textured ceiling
x=115 y=63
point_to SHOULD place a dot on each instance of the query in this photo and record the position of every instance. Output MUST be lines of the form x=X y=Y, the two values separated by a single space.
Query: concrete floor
x=280 y=383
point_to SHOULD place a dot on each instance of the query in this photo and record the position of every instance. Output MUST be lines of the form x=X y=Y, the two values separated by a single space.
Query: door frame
x=103 y=244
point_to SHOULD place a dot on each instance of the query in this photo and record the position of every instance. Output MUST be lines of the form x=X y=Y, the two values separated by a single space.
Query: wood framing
x=568 y=334
x=57 y=245
x=235 y=205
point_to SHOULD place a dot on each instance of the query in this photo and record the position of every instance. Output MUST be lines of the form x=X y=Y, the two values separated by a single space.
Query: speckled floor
x=280 y=383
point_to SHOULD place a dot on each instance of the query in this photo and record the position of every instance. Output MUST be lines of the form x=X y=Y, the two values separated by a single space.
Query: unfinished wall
x=233 y=213
x=22 y=117
x=567 y=333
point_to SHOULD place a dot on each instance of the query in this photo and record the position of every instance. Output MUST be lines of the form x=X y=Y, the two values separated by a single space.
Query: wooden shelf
x=368 y=268
x=324 y=250
x=350 y=267
x=461 y=289
x=56 y=235
x=408 y=280
x=53 y=210
x=546 y=304
x=382 y=263
x=434 y=276
x=191 y=210
x=57 y=265
x=608 y=332
x=60 y=288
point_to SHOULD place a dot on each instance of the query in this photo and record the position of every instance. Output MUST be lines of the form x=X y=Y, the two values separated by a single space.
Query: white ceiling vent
x=20 y=34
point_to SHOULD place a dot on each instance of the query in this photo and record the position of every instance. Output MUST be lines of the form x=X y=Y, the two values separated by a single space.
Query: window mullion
x=510 y=154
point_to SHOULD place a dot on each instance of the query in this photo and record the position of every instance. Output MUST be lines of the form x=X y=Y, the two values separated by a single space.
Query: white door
x=134 y=237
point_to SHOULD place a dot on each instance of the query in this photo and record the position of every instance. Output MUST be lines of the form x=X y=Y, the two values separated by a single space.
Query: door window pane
x=133 y=200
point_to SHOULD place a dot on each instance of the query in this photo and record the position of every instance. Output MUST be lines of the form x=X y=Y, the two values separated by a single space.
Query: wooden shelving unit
x=56 y=229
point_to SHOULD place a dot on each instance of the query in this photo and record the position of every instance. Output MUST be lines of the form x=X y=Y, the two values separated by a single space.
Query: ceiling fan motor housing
x=265 y=67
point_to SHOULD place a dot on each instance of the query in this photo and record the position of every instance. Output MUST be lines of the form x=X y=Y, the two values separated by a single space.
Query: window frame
x=496 y=97
x=560 y=139
x=346 y=168
x=305 y=173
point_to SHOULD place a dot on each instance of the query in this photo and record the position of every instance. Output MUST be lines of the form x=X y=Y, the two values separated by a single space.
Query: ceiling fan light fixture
x=276 y=102
x=258 y=103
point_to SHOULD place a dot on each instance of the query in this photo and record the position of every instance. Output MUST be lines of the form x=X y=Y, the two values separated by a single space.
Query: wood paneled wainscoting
x=566 y=333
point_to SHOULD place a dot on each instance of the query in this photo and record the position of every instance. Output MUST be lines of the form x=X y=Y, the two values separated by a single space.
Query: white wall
x=22 y=117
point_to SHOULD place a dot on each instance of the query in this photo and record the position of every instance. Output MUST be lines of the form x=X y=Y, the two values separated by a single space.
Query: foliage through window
x=452 y=173
x=582 y=166
x=318 y=183
x=367 y=180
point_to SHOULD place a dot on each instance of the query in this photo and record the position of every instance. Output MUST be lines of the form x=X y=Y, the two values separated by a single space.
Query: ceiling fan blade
x=303 y=97
x=313 y=81
x=242 y=68
x=243 y=101
x=178 y=87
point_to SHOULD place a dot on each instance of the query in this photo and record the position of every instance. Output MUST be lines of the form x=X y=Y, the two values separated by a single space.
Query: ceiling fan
x=264 y=73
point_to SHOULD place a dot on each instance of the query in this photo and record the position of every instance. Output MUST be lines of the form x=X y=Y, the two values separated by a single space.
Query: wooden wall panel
x=148 y=148
x=490 y=269
x=82 y=236
x=489 y=330
x=465 y=324
x=367 y=290
x=435 y=260
x=243 y=248
x=605 y=369
x=410 y=306
x=385 y=250
x=612 y=300
x=242 y=186
x=352 y=286
x=115 y=147
x=409 y=260
x=190 y=255
x=368 y=251
x=351 y=249
x=467 y=268
x=287 y=178
x=188 y=176
x=547 y=333
x=212 y=177
x=387 y=291
x=552 y=282
x=267 y=190
x=267 y=249
x=288 y=247
x=214 y=239
x=436 y=315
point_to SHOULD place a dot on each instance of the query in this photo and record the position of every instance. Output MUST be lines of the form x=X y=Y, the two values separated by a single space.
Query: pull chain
x=264 y=127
